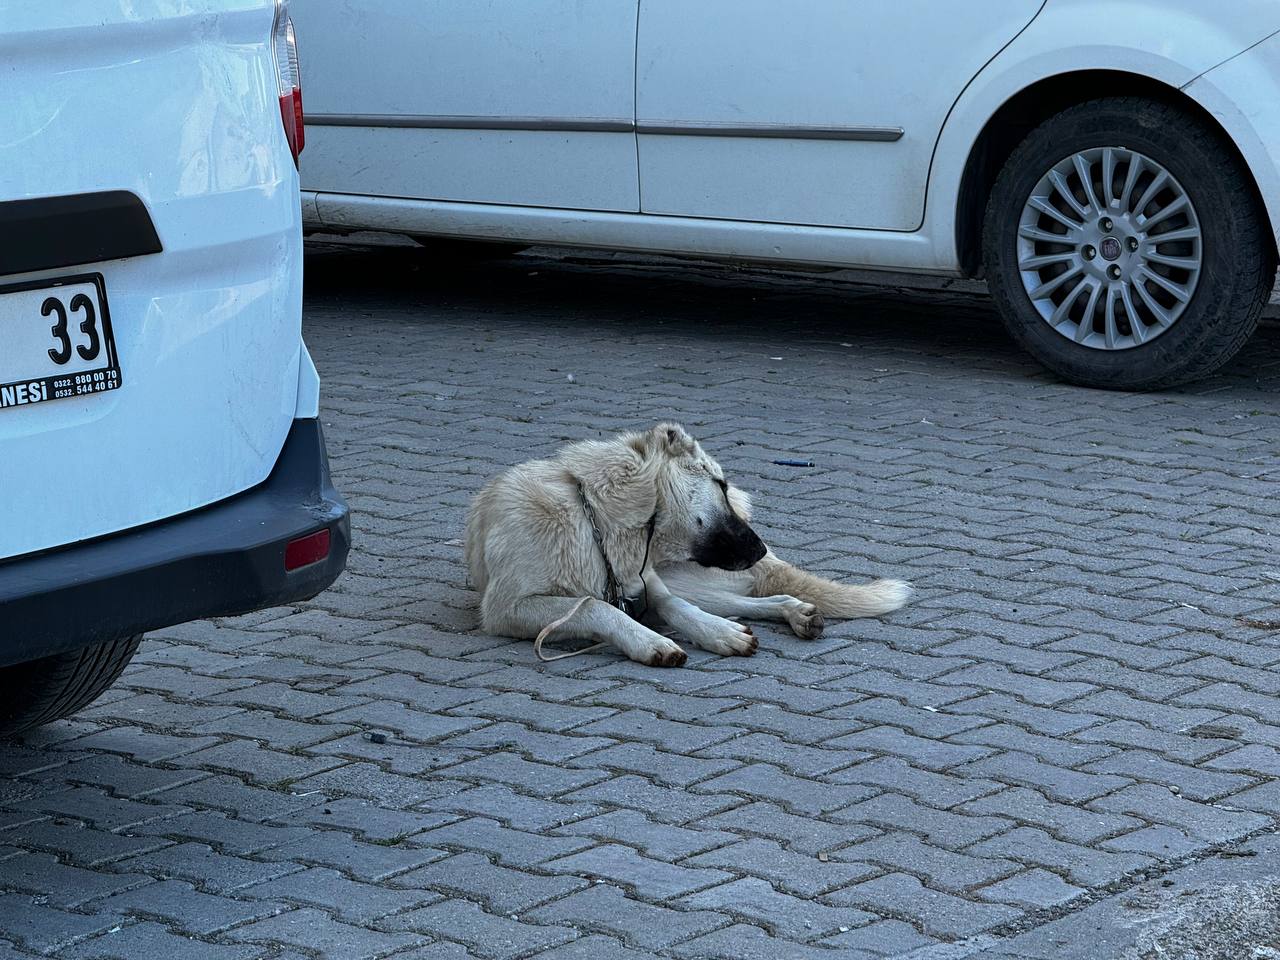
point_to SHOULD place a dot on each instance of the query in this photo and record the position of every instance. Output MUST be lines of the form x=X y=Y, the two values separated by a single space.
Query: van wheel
x=1125 y=248
x=41 y=691
x=452 y=248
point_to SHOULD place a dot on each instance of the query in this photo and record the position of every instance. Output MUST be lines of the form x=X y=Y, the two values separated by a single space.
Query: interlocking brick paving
x=1083 y=695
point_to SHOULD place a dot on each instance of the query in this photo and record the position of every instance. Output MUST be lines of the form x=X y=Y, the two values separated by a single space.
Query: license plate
x=57 y=341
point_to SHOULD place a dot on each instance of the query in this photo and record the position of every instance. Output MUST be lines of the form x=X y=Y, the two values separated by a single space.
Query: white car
x=160 y=454
x=1113 y=169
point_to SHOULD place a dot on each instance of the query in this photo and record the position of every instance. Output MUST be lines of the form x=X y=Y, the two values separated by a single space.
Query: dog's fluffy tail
x=773 y=576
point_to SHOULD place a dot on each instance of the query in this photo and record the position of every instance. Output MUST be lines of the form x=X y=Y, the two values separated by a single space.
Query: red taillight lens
x=288 y=78
x=306 y=550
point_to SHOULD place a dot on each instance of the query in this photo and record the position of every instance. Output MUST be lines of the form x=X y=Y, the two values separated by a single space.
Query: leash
x=555 y=625
x=634 y=607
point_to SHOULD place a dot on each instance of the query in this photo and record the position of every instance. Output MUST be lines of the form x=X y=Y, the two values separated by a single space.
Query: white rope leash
x=556 y=625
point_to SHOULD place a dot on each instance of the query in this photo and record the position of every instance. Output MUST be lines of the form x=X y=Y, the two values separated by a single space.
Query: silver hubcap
x=1109 y=248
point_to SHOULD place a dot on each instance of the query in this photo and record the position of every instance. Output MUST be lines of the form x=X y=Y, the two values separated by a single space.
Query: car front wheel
x=1125 y=247
x=51 y=688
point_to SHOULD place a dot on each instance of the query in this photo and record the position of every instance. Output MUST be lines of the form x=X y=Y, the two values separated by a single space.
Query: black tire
x=457 y=249
x=1238 y=252
x=48 y=689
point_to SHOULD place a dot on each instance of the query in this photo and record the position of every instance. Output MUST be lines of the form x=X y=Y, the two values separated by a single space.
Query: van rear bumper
x=224 y=559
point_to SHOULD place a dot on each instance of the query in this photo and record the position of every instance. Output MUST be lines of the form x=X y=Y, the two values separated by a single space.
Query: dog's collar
x=615 y=596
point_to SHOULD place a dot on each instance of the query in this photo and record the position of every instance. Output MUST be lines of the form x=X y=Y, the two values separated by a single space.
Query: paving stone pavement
x=1081 y=698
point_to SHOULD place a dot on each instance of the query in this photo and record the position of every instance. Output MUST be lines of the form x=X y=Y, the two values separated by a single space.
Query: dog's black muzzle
x=731 y=545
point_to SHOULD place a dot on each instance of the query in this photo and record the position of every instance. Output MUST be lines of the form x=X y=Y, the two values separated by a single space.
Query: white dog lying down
x=646 y=527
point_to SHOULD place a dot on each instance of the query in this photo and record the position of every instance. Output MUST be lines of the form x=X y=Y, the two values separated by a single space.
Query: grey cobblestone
x=1036 y=888
x=766 y=748
x=922 y=751
x=1071 y=786
x=1079 y=646
x=944 y=869
x=541 y=779
x=1069 y=821
x=78 y=844
x=44 y=929
x=502 y=889
x=649 y=878
x=945 y=829
x=1043 y=720
x=348 y=900
x=745 y=942
x=498 y=938
x=662 y=841
x=668 y=769
x=1083 y=865
x=370 y=862
x=186 y=908
x=884 y=938
x=795 y=918
x=512 y=847
x=796 y=794
x=934 y=789
x=1193 y=782
x=60 y=885
x=794 y=831
x=154 y=940
x=650 y=927
x=939 y=914
x=790 y=871
x=314 y=930
x=516 y=810
x=592 y=948
x=205 y=867
x=1057 y=751
x=1156 y=803
x=669 y=804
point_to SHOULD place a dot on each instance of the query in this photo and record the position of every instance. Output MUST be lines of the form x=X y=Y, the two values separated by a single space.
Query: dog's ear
x=670 y=439
x=739 y=503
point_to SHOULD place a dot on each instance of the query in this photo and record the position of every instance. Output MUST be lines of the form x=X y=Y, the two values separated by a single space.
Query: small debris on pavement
x=375 y=736
x=794 y=463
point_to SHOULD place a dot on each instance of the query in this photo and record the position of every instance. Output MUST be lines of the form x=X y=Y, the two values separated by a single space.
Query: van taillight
x=289 y=78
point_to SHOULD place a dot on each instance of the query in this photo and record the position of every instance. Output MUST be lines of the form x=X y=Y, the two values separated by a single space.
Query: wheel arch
x=1009 y=124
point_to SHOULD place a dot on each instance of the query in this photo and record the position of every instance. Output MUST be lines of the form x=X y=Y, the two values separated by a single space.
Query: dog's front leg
x=703 y=629
x=596 y=620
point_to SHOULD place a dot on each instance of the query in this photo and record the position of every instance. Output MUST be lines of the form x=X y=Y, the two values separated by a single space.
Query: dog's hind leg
x=725 y=595
x=772 y=576
x=596 y=620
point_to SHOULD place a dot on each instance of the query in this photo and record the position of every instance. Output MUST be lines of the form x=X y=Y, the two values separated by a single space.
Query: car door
x=526 y=102
x=804 y=111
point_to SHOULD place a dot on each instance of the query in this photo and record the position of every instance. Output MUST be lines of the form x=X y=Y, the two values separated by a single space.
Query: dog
x=609 y=539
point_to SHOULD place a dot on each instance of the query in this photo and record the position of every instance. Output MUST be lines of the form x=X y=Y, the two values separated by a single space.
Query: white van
x=160 y=454
x=1113 y=169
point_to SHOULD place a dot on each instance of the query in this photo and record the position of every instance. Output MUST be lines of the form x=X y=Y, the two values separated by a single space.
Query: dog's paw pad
x=806 y=622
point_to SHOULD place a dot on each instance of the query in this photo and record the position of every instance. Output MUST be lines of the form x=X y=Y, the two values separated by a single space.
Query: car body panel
x=550 y=63
x=208 y=331
x=1233 y=93
x=826 y=64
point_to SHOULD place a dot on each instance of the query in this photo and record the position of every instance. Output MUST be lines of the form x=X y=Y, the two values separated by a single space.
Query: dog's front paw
x=806 y=622
x=667 y=655
x=725 y=637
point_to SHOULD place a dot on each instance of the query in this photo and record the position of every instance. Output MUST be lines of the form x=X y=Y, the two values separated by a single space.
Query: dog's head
x=699 y=515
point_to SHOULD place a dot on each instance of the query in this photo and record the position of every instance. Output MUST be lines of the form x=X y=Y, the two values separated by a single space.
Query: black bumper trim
x=224 y=559
x=49 y=232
